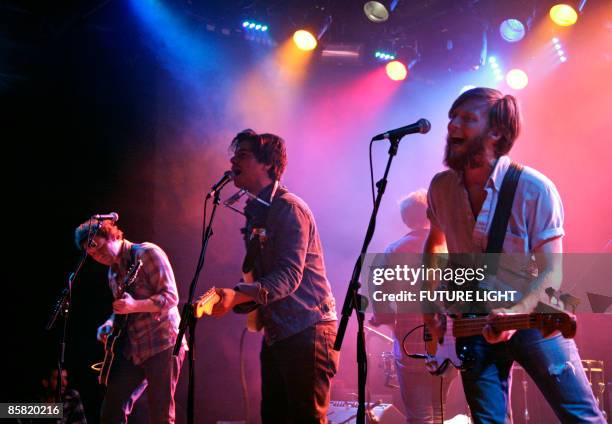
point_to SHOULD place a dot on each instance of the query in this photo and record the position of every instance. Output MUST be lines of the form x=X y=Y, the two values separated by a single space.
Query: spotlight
x=563 y=14
x=512 y=30
x=304 y=40
x=396 y=70
x=378 y=11
x=517 y=79
x=317 y=23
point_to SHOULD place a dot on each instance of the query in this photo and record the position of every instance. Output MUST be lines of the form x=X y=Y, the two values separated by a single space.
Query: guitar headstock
x=131 y=275
x=549 y=319
x=564 y=301
x=204 y=304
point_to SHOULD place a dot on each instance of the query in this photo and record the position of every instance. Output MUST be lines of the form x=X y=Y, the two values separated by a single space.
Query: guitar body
x=113 y=339
x=440 y=354
x=110 y=348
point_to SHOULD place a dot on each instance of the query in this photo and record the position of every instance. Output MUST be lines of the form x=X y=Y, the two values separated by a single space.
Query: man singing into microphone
x=462 y=201
x=290 y=288
x=143 y=355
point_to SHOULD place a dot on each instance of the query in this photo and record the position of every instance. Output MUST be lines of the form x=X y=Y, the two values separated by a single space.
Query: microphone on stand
x=226 y=178
x=113 y=216
x=422 y=126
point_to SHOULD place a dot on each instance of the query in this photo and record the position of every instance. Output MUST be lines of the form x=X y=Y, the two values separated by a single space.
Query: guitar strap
x=254 y=236
x=497 y=232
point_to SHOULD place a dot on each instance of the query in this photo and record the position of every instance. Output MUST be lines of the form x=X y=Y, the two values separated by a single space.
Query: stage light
x=396 y=70
x=304 y=40
x=517 y=79
x=378 y=11
x=314 y=25
x=492 y=59
x=512 y=30
x=380 y=55
x=257 y=26
x=563 y=14
x=558 y=48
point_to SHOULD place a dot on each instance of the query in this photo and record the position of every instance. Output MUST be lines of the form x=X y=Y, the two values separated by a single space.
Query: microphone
x=113 y=216
x=226 y=178
x=421 y=126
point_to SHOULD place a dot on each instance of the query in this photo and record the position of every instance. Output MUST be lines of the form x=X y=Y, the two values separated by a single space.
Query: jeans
x=158 y=374
x=553 y=364
x=296 y=375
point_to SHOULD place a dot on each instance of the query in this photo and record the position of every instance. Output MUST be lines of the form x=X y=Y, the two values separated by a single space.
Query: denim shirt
x=292 y=290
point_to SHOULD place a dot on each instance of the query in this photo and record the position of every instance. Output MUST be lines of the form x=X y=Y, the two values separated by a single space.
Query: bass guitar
x=440 y=354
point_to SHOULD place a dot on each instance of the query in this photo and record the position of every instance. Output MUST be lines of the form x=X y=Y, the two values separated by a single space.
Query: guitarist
x=143 y=356
x=483 y=126
x=290 y=288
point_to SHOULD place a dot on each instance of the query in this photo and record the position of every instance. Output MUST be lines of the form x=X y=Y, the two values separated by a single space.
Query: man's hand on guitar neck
x=229 y=299
x=524 y=306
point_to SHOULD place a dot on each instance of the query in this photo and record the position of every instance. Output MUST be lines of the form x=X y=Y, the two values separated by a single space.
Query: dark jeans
x=553 y=364
x=127 y=382
x=296 y=375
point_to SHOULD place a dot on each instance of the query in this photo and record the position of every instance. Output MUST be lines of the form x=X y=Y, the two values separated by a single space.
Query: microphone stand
x=357 y=302
x=188 y=319
x=62 y=308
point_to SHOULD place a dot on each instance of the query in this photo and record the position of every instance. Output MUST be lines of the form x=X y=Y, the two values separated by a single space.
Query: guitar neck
x=466 y=327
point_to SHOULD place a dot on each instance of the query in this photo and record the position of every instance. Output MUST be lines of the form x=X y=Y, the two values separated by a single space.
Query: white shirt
x=536 y=216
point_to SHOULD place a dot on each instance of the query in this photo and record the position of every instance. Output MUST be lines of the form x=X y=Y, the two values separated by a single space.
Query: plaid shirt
x=148 y=333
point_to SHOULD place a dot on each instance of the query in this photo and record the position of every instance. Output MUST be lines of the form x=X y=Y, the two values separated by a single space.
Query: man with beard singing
x=483 y=127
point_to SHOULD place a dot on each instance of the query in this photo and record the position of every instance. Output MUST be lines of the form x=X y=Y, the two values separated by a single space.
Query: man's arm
x=550 y=274
x=160 y=276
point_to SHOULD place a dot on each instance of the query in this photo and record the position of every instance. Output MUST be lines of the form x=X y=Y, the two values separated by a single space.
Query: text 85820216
x=31 y=410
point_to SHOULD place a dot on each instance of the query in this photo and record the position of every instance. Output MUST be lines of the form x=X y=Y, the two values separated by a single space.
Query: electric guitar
x=441 y=354
x=119 y=322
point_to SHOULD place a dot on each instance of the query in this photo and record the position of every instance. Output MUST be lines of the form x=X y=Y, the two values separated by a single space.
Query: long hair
x=504 y=115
